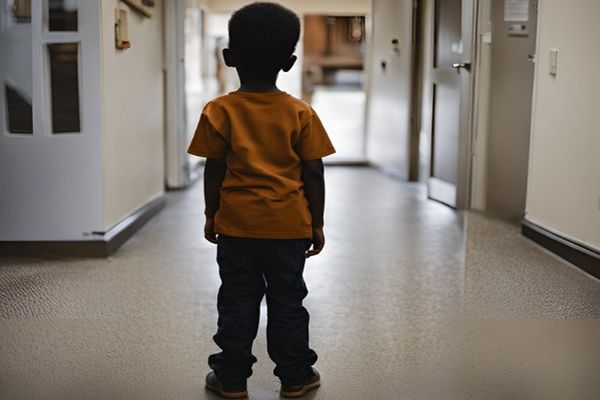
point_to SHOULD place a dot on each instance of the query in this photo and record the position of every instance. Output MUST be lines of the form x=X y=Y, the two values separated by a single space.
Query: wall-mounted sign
x=516 y=10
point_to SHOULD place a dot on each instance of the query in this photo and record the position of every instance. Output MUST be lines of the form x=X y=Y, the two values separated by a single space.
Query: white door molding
x=177 y=170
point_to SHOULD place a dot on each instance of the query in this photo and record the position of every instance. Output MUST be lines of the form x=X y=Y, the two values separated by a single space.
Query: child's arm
x=214 y=173
x=314 y=189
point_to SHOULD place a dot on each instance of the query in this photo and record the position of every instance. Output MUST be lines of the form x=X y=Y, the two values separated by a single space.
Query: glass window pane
x=62 y=15
x=20 y=116
x=64 y=85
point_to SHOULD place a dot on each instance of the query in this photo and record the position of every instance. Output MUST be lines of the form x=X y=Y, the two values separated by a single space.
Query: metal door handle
x=458 y=66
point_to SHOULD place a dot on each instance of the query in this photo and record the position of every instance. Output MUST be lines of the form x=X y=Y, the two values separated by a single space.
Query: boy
x=265 y=193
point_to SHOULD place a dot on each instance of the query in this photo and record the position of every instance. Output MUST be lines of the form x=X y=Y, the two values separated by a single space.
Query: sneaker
x=301 y=389
x=213 y=383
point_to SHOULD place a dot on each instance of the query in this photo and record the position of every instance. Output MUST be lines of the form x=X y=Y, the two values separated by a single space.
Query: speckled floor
x=410 y=300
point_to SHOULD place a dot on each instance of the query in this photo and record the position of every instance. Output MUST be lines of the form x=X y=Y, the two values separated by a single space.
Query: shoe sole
x=302 y=392
x=228 y=395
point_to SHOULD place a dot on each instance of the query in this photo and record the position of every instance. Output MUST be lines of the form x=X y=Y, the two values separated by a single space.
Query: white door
x=50 y=160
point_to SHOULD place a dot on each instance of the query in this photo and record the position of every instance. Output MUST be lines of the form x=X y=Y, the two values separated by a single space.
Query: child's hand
x=318 y=242
x=209 y=230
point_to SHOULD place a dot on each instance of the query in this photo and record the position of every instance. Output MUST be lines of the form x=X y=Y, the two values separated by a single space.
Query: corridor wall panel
x=132 y=113
x=390 y=74
x=563 y=192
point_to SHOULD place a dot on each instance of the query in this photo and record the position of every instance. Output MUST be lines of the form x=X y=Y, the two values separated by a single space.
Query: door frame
x=467 y=80
x=465 y=129
x=481 y=104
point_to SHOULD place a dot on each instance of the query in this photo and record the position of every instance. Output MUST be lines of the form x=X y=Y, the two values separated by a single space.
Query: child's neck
x=258 y=86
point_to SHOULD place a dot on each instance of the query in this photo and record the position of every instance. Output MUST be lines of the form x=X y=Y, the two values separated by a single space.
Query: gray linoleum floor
x=410 y=300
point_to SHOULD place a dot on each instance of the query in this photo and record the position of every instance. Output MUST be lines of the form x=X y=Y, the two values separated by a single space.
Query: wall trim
x=103 y=245
x=346 y=163
x=583 y=257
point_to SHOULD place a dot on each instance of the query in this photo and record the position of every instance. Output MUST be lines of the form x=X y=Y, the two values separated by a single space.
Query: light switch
x=487 y=33
x=553 y=68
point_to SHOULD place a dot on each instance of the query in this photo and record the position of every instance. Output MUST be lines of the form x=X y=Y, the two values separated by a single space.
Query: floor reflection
x=342 y=111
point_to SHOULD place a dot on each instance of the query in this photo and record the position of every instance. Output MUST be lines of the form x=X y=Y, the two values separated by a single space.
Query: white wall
x=132 y=113
x=563 y=193
x=388 y=122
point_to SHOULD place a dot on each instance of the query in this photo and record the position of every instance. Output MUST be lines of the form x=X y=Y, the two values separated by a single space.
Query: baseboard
x=103 y=245
x=347 y=163
x=391 y=172
x=583 y=257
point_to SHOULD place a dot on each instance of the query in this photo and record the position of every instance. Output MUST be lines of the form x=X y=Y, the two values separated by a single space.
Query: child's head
x=262 y=40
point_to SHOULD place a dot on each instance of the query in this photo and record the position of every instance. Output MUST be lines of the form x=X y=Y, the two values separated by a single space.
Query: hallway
x=409 y=300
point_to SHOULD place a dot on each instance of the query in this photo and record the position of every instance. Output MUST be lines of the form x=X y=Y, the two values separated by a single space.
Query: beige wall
x=563 y=193
x=389 y=102
x=132 y=113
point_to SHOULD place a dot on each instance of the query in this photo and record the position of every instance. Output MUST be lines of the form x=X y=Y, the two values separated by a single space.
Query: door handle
x=458 y=66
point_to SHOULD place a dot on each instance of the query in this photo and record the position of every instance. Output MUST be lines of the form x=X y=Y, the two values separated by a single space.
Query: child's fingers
x=311 y=253
x=211 y=238
x=316 y=250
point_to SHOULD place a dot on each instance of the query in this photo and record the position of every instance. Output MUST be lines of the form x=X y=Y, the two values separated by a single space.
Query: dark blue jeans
x=249 y=269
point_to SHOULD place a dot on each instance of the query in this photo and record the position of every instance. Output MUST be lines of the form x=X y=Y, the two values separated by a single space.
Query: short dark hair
x=263 y=36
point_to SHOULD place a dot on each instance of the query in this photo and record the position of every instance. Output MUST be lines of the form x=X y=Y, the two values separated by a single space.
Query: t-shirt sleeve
x=313 y=142
x=208 y=141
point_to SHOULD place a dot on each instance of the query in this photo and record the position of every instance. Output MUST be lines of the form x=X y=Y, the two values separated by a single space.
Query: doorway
x=333 y=79
x=194 y=38
x=449 y=85
x=195 y=34
x=206 y=75
x=475 y=120
x=503 y=92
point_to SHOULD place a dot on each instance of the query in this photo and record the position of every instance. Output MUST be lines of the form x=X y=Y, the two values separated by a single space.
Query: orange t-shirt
x=264 y=138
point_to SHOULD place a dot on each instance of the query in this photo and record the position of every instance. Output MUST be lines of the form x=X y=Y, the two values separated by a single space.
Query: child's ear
x=228 y=58
x=289 y=64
